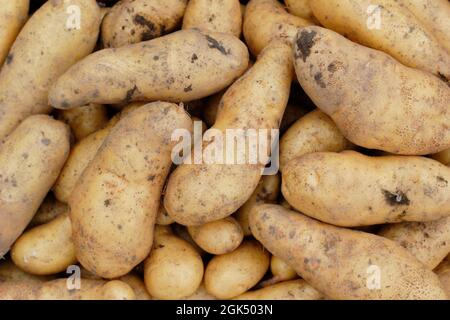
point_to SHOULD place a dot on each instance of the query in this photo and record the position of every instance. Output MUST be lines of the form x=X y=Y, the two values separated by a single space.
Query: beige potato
x=9 y=272
x=133 y=21
x=216 y=188
x=443 y=157
x=44 y=50
x=376 y=102
x=232 y=274
x=428 y=241
x=281 y=271
x=266 y=191
x=443 y=272
x=115 y=202
x=266 y=20
x=46 y=249
x=13 y=15
x=30 y=161
x=138 y=286
x=201 y=294
x=49 y=209
x=174 y=269
x=287 y=290
x=176 y=67
x=343 y=263
x=399 y=33
x=350 y=189
x=300 y=8
x=214 y=15
x=314 y=132
x=218 y=237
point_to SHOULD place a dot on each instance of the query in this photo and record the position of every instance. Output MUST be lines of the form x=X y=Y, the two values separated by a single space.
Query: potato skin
x=443 y=157
x=375 y=101
x=30 y=161
x=299 y=8
x=384 y=189
x=276 y=24
x=428 y=241
x=49 y=209
x=200 y=193
x=9 y=272
x=176 y=67
x=281 y=271
x=287 y=290
x=130 y=22
x=13 y=15
x=138 y=286
x=215 y=16
x=232 y=274
x=43 y=51
x=402 y=35
x=314 y=132
x=443 y=272
x=335 y=260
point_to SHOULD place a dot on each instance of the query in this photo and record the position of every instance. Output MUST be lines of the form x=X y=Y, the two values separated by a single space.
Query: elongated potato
x=443 y=157
x=46 y=249
x=214 y=15
x=133 y=21
x=314 y=132
x=48 y=210
x=218 y=237
x=350 y=189
x=9 y=272
x=200 y=193
x=13 y=15
x=443 y=272
x=138 y=286
x=343 y=263
x=386 y=26
x=375 y=101
x=281 y=271
x=266 y=191
x=287 y=290
x=232 y=274
x=174 y=269
x=300 y=8
x=45 y=48
x=266 y=20
x=428 y=241
x=115 y=202
x=176 y=67
x=30 y=161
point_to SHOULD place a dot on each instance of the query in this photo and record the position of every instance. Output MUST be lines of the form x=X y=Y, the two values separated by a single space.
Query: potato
x=115 y=202
x=30 y=161
x=287 y=290
x=49 y=210
x=163 y=218
x=201 y=294
x=343 y=263
x=281 y=271
x=214 y=15
x=299 y=8
x=314 y=132
x=201 y=193
x=44 y=50
x=133 y=21
x=46 y=249
x=174 y=269
x=350 y=189
x=443 y=157
x=84 y=120
x=399 y=33
x=13 y=15
x=266 y=20
x=266 y=191
x=9 y=272
x=443 y=271
x=376 y=102
x=232 y=274
x=429 y=241
x=176 y=67
x=218 y=237
x=138 y=286
x=182 y=232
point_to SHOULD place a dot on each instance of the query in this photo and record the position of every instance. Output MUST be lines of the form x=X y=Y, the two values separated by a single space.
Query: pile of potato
x=91 y=92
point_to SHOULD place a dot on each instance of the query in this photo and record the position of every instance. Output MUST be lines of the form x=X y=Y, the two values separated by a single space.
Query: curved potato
x=300 y=8
x=266 y=20
x=443 y=157
x=383 y=189
x=115 y=202
x=214 y=15
x=138 y=286
x=133 y=21
x=200 y=193
x=375 y=101
x=314 y=132
x=287 y=290
x=30 y=161
x=46 y=249
x=13 y=15
x=49 y=209
x=399 y=33
x=343 y=263
x=176 y=67
x=428 y=241
x=232 y=274
x=44 y=49
x=218 y=237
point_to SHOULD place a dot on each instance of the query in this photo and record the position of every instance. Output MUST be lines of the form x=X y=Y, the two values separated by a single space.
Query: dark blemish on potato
x=332 y=67
x=305 y=41
x=156 y=58
x=76 y=91
x=426 y=235
x=264 y=216
x=442 y=181
x=25 y=155
x=444 y=78
x=151 y=177
x=214 y=44
x=189 y=88
x=319 y=81
x=107 y=202
x=119 y=226
x=160 y=246
x=395 y=198
x=272 y=230
x=130 y=94
x=151 y=31
x=291 y=234
x=64 y=104
x=9 y=58
x=193 y=58
x=46 y=141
